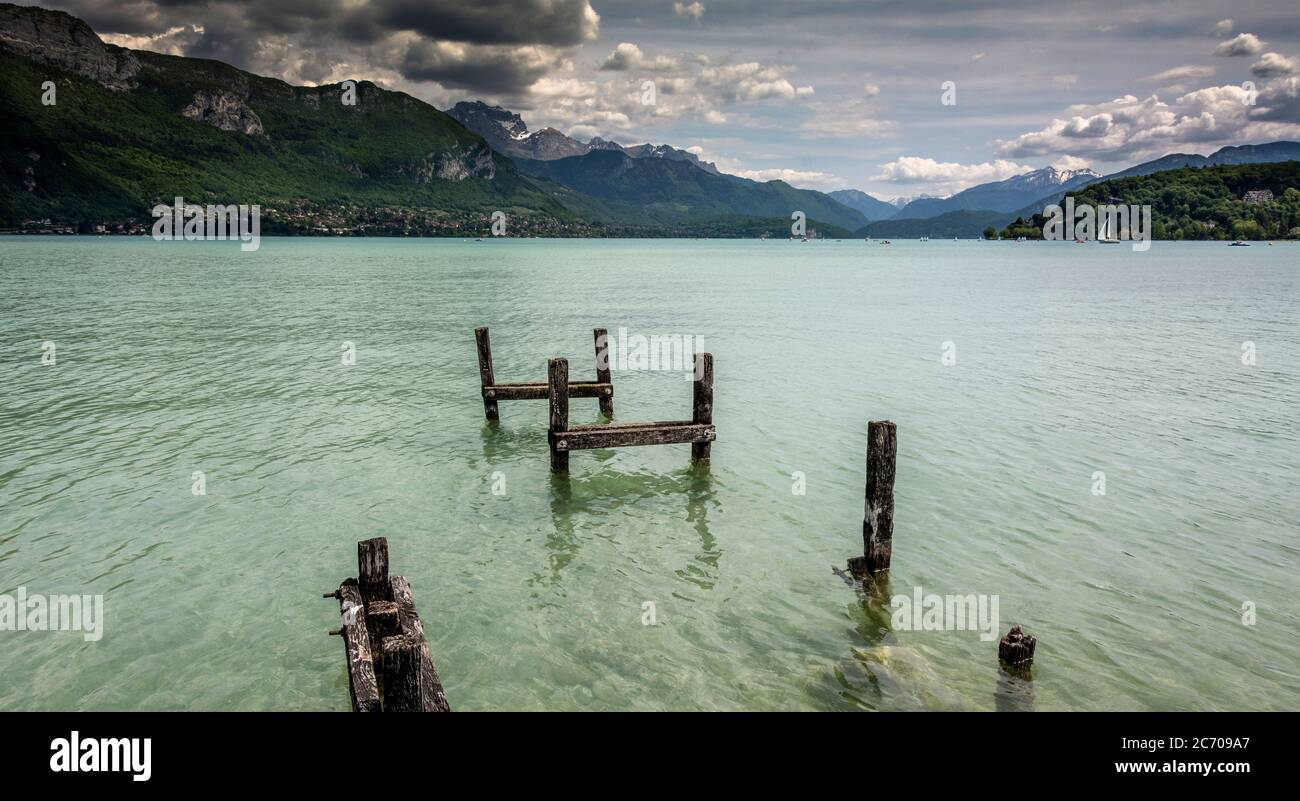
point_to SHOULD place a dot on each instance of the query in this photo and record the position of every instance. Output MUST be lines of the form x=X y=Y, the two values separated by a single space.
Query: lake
x=1023 y=378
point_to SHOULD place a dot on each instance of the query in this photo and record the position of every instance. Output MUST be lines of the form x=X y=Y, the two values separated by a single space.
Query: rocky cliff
x=62 y=40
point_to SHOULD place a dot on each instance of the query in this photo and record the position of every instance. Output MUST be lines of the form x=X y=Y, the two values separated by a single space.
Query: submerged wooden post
x=403 y=687
x=486 y=377
x=372 y=570
x=557 y=382
x=1016 y=649
x=878 y=516
x=702 y=409
x=603 y=374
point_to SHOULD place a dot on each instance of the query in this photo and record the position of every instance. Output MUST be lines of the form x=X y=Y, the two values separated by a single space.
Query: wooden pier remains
x=878 y=516
x=602 y=388
x=389 y=667
x=1016 y=650
x=563 y=438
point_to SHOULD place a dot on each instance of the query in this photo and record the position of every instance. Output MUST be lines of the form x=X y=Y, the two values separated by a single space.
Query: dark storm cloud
x=484 y=45
x=492 y=21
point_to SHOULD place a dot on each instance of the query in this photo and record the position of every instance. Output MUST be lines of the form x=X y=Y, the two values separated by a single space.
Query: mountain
x=1233 y=154
x=901 y=201
x=507 y=133
x=133 y=128
x=649 y=151
x=1223 y=201
x=1005 y=196
x=963 y=223
x=671 y=191
x=870 y=207
x=1236 y=154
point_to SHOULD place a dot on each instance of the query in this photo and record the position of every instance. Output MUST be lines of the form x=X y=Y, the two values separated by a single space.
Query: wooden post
x=1016 y=650
x=878 y=516
x=372 y=570
x=362 y=687
x=485 y=374
x=702 y=409
x=434 y=697
x=382 y=621
x=557 y=382
x=403 y=689
x=603 y=374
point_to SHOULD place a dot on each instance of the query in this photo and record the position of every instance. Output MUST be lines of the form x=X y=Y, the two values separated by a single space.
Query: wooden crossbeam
x=587 y=438
x=563 y=438
x=537 y=390
x=493 y=392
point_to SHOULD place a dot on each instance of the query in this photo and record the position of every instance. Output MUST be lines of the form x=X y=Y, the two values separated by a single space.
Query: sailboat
x=1105 y=236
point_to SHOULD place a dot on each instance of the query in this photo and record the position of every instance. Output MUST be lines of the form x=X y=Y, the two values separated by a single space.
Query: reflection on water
x=598 y=498
x=1015 y=691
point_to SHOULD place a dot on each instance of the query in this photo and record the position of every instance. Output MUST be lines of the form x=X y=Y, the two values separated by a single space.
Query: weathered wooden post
x=1016 y=650
x=486 y=377
x=702 y=408
x=557 y=382
x=603 y=374
x=372 y=570
x=403 y=685
x=362 y=686
x=878 y=517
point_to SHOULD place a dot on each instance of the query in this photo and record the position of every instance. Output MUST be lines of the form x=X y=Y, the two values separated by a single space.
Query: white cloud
x=804 y=179
x=1223 y=27
x=693 y=11
x=947 y=176
x=1243 y=44
x=1275 y=65
x=1132 y=128
x=870 y=90
x=1070 y=163
x=627 y=56
x=843 y=119
x=751 y=81
x=1180 y=74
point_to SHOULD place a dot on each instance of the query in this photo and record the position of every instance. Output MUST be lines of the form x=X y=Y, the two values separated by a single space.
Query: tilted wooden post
x=372 y=570
x=603 y=374
x=557 y=382
x=702 y=409
x=485 y=374
x=362 y=686
x=403 y=688
x=878 y=516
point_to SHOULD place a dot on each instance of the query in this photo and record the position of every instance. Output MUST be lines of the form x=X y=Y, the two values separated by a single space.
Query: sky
x=897 y=99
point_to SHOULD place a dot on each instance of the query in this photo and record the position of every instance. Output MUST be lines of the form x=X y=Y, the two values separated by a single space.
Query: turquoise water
x=181 y=357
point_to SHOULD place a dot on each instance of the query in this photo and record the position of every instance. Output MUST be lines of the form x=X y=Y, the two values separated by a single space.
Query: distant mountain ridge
x=871 y=208
x=670 y=191
x=508 y=134
x=1233 y=154
x=1005 y=196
